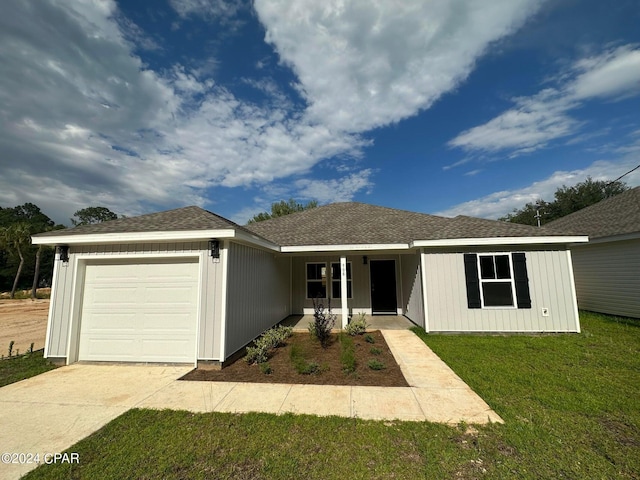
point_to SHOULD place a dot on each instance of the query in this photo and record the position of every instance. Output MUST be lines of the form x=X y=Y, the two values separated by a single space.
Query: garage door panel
x=144 y=312
x=164 y=323
x=176 y=296
x=109 y=348
x=169 y=350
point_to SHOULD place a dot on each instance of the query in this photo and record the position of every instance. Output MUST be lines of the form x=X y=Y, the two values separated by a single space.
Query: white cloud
x=537 y=120
x=362 y=65
x=210 y=9
x=334 y=190
x=500 y=203
x=614 y=73
x=84 y=120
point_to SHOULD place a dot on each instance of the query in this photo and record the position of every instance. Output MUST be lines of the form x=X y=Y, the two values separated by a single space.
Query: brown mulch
x=328 y=359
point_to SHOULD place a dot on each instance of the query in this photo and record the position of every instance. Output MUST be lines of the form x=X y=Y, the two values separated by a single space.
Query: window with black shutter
x=497 y=280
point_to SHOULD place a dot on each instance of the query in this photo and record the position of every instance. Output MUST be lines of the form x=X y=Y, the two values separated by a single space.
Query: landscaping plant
x=272 y=338
x=347 y=354
x=323 y=321
x=358 y=325
x=375 y=364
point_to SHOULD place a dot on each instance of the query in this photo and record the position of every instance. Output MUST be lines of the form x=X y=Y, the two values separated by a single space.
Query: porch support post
x=343 y=290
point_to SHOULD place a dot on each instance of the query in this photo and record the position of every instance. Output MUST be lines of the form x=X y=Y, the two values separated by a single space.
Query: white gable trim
x=148 y=237
x=344 y=248
x=498 y=241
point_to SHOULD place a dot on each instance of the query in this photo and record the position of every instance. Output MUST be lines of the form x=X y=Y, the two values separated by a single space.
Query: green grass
x=570 y=403
x=15 y=369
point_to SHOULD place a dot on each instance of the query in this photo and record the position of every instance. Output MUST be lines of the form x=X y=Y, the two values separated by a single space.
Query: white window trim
x=306 y=279
x=512 y=280
x=349 y=280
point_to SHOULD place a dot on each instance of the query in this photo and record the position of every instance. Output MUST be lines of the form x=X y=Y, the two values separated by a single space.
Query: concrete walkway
x=50 y=412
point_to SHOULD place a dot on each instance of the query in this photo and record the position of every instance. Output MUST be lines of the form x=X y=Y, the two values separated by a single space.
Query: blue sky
x=444 y=107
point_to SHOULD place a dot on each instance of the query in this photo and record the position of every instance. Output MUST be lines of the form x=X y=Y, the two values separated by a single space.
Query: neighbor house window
x=316 y=280
x=335 y=280
x=497 y=280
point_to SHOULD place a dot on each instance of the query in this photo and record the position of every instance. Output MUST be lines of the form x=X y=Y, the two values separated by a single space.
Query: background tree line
x=566 y=200
x=22 y=265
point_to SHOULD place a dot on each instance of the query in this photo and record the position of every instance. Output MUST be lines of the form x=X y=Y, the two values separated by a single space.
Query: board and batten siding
x=209 y=330
x=360 y=278
x=607 y=277
x=412 y=304
x=257 y=294
x=549 y=284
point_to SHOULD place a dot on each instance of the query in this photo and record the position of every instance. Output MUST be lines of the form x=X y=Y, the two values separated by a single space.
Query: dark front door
x=383 y=286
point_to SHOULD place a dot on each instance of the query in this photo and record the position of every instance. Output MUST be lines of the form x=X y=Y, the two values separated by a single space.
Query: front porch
x=374 y=322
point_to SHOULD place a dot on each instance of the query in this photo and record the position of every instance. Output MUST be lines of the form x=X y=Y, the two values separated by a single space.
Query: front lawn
x=571 y=404
x=18 y=368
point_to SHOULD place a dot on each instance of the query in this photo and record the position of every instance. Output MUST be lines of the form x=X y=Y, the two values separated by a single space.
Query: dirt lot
x=23 y=321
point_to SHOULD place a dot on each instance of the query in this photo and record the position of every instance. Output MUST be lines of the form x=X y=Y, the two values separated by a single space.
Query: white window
x=316 y=280
x=335 y=281
x=497 y=286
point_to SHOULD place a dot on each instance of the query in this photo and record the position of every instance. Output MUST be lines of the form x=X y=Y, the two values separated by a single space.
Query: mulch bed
x=328 y=358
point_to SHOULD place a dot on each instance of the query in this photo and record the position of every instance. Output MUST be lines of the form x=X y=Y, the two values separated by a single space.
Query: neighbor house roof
x=618 y=215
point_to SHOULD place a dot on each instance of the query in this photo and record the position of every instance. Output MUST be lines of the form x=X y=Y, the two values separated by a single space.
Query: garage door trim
x=79 y=266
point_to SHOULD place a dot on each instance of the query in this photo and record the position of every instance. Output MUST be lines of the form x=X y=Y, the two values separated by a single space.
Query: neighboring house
x=187 y=285
x=607 y=270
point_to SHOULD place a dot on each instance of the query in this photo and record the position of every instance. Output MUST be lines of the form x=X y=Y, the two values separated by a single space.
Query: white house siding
x=549 y=285
x=62 y=314
x=607 y=277
x=412 y=288
x=257 y=294
x=361 y=282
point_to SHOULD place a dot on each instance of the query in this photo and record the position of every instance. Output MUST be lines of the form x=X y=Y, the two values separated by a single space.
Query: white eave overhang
x=344 y=248
x=458 y=242
x=154 y=237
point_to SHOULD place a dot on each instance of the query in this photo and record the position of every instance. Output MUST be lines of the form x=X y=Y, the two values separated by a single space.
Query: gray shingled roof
x=359 y=223
x=617 y=215
x=348 y=223
x=472 y=227
x=187 y=218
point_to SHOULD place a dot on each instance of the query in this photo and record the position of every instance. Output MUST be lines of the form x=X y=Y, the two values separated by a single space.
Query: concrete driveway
x=50 y=412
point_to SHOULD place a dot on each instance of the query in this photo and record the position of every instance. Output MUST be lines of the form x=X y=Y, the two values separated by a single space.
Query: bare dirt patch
x=24 y=322
x=328 y=359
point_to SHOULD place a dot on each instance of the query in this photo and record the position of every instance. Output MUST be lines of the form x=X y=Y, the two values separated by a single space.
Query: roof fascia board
x=615 y=238
x=344 y=248
x=456 y=242
x=133 y=237
x=245 y=237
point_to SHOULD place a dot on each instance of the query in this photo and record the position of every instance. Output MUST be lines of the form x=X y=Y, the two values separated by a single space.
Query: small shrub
x=265 y=368
x=347 y=354
x=323 y=322
x=369 y=338
x=11 y=344
x=375 y=351
x=272 y=338
x=357 y=326
x=256 y=355
x=375 y=364
x=275 y=337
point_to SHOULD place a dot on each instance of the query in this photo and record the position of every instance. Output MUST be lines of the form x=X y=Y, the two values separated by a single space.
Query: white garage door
x=140 y=312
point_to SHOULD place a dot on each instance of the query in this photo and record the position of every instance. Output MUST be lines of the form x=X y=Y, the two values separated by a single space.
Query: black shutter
x=473 y=282
x=522 y=280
